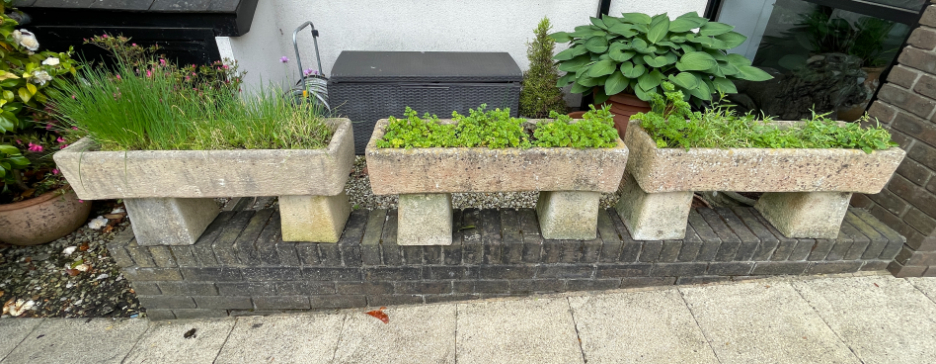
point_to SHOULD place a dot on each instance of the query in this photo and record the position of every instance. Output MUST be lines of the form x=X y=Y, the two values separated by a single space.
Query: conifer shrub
x=539 y=95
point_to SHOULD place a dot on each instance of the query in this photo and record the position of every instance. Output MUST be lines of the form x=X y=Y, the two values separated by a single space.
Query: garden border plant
x=168 y=147
x=807 y=169
x=424 y=160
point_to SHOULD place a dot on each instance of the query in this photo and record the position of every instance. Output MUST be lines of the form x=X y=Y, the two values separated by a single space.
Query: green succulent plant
x=637 y=52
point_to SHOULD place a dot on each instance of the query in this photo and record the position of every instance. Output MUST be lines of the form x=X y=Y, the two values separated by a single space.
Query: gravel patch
x=44 y=281
x=359 y=191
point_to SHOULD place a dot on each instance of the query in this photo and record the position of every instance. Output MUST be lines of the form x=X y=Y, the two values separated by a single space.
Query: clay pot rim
x=35 y=201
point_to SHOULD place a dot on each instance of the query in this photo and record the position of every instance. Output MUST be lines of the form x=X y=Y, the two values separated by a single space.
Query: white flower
x=26 y=39
x=69 y=250
x=41 y=77
x=51 y=61
x=98 y=223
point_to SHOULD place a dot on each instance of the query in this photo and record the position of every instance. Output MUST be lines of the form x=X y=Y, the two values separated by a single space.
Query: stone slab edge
x=757 y=169
x=447 y=170
x=97 y=175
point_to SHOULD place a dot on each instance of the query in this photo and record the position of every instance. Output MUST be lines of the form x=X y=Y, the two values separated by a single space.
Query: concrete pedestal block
x=568 y=214
x=653 y=216
x=319 y=219
x=170 y=221
x=805 y=214
x=425 y=219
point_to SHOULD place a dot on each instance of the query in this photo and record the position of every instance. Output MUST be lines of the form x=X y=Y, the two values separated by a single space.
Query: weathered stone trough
x=807 y=190
x=169 y=193
x=570 y=182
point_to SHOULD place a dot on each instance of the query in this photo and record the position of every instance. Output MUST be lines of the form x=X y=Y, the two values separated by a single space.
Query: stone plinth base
x=805 y=214
x=170 y=221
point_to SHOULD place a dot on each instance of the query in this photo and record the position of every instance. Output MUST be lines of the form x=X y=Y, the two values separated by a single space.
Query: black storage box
x=369 y=86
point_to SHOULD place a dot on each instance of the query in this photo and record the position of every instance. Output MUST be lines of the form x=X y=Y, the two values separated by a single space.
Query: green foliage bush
x=637 y=52
x=496 y=129
x=672 y=124
x=539 y=95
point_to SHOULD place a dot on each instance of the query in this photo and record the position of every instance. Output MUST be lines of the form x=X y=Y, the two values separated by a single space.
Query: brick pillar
x=905 y=105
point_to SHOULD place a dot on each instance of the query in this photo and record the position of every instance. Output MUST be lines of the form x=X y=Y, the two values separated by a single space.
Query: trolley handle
x=318 y=58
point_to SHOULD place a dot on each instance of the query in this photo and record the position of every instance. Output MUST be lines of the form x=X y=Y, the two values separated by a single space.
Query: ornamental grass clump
x=495 y=129
x=672 y=124
x=148 y=107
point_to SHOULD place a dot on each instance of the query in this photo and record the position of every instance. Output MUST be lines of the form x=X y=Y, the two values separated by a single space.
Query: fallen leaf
x=380 y=315
x=83 y=247
x=115 y=216
x=132 y=291
x=27 y=259
x=877 y=285
x=108 y=229
x=189 y=334
x=72 y=272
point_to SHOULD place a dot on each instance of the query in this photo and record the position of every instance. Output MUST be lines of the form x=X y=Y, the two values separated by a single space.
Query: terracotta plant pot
x=577 y=114
x=42 y=219
x=623 y=106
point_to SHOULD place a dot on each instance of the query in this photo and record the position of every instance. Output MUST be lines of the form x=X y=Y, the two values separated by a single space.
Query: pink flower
x=36 y=148
x=80 y=201
x=55 y=171
x=284 y=59
x=133 y=44
x=74 y=128
x=226 y=67
x=63 y=146
x=149 y=73
x=187 y=78
x=20 y=142
x=104 y=36
x=162 y=62
x=59 y=140
x=48 y=127
x=118 y=77
x=73 y=97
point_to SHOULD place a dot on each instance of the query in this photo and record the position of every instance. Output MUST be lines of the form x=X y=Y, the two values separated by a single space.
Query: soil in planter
x=43 y=281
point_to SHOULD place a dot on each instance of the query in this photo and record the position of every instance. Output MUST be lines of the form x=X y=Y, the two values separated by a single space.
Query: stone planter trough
x=807 y=190
x=570 y=182
x=169 y=193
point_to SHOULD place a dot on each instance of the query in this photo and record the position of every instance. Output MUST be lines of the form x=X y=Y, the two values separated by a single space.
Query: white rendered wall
x=412 y=25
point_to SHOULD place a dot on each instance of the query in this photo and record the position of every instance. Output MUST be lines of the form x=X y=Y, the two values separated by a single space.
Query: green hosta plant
x=636 y=53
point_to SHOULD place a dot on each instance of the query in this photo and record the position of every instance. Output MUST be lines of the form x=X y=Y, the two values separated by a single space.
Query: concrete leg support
x=425 y=219
x=319 y=219
x=805 y=214
x=568 y=214
x=653 y=216
x=170 y=221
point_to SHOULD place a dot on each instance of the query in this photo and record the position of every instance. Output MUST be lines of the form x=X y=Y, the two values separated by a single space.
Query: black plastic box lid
x=365 y=66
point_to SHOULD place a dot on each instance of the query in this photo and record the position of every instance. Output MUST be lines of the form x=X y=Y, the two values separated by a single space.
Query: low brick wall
x=240 y=264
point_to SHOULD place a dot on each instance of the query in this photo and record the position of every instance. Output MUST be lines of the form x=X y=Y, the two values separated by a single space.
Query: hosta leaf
x=752 y=73
x=715 y=28
x=610 y=21
x=659 y=27
x=685 y=80
x=650 y=79
x=727 y=69
x=639 y=45
x=681 y=25
x=656 y=62
x=636 y=18
x=631 y=70
x=561 y=37
x=578 y=88
x=616 y=83
x=600 y=96
x=602 y=68
x=696 y=61
x=565 y=80
x=724 y=85
x=703 y=92
x=643 y=94
x=738 y=60
x=590 y=81
x=626 y=30
x=574 y=64
x=731 y=39
x=598 y=23
x=597 y=44
x=570 y=53
x=677 y=38
x=618 y=53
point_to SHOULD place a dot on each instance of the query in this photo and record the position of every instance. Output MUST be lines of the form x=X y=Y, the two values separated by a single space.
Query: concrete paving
x=858 y=318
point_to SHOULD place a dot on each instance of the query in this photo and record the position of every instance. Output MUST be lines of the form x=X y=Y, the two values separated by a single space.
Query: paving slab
x=927 y=285
x=298 y=338
x=521 y=331
x=170 y=342
x=883 y=319
x=70 y=341
x=763 y=322
x=639 y=327
x=415 y=334
x=13 y=331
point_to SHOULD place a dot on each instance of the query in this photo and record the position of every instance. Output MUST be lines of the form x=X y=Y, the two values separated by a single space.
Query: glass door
x=826 y=56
